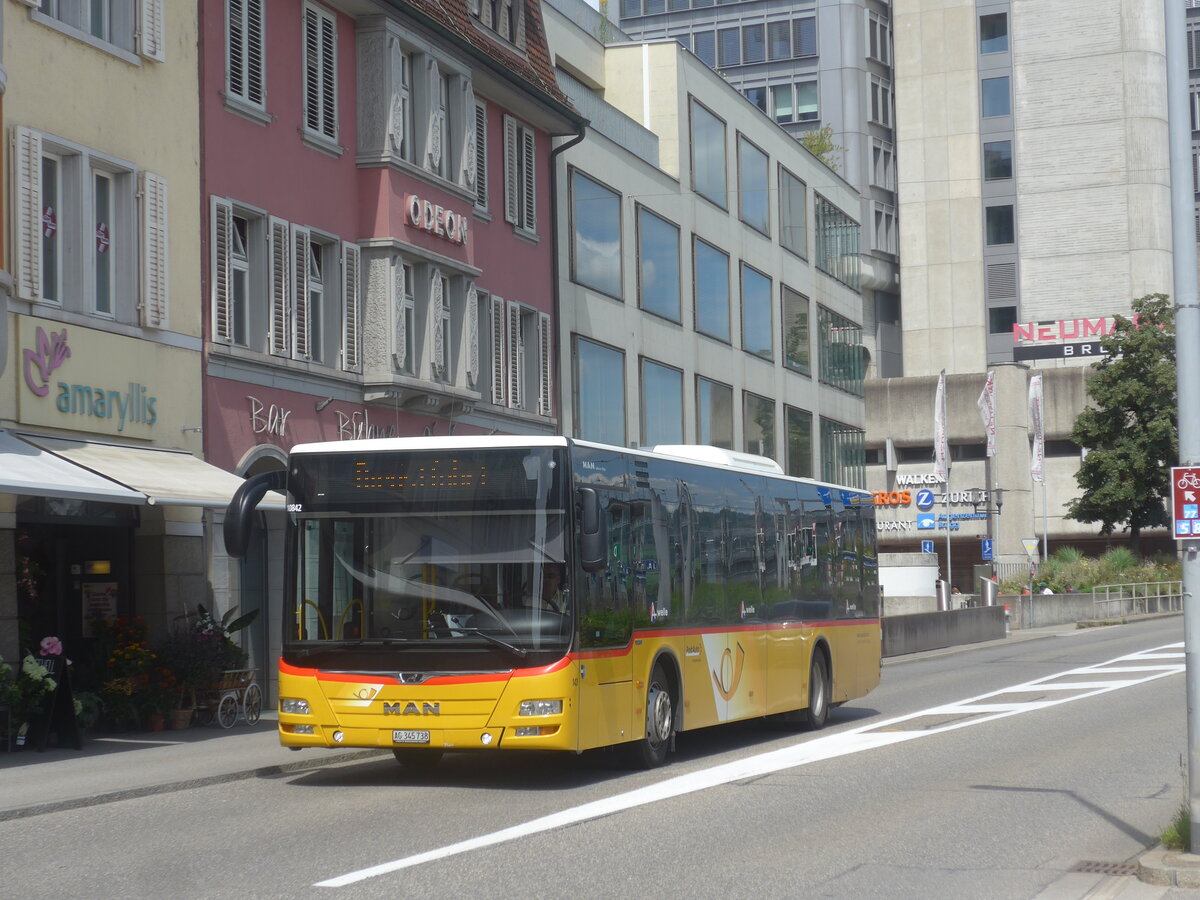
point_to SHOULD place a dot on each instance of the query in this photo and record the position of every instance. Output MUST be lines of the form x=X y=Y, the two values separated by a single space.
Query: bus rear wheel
x=651 y=751
x=818 y=693
x=417 y=757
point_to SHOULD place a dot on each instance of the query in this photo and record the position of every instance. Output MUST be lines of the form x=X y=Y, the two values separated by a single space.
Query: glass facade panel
x=840 y=352
x=711 y=278
x=708 y=155
x=997 y=160
x=595 y=235
x=758 y=425
x=793 y=214
x=753 y=187
x=599 y=393
x=658 y=265
x=799 y=461
x=996 y=100
x=837 y=243
x=756 y=313
x=843 y=454
x=993 y=33
x=1001 y=226
x=714 y=414
x=796 y=352
x=662 y=404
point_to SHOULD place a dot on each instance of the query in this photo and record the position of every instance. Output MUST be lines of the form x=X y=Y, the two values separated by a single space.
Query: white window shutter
x=433 y=139
x=280 y=294
x=479 y=155
x=516 y=357
x=436 y=300
x=351 y=303
x=529 y=194
x=545 y=366
x=400 y=351
x=472 y=336
x=466 y=173
x=511 y=182
x=27 y=212
x=155 y=289
x=301 y=239
x=498 y=350
x=151 y=31
x=222 y=286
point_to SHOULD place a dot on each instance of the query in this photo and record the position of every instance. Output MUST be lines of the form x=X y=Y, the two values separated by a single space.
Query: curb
x=1169 y=868
x=170 y=787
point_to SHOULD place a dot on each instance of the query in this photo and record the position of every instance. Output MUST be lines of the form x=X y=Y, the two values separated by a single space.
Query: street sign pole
x=1187 y=363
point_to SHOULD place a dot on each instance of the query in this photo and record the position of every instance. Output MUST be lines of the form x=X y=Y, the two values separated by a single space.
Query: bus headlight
x=295 y=707
x=540 y=708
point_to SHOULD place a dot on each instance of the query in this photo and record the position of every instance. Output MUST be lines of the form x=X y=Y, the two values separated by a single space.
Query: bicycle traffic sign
x=1185 y=502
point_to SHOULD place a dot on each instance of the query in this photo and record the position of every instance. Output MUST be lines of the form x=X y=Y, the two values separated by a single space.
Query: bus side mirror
x=593 y=542
x=239 y=513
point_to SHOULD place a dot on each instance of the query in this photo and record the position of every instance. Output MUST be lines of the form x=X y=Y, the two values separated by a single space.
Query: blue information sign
x=987 y=548
x=926 y=546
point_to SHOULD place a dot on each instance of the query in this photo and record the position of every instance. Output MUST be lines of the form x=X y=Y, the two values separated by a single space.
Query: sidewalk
x=122 y=766
x=125 y=766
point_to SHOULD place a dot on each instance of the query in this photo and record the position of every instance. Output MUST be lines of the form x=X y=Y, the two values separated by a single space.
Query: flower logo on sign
x=48 y=355
x=102 y=238
x=49 y=222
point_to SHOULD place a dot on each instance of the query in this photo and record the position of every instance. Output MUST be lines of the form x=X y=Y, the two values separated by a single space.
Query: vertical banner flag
x=1037 y=456
x=941 y=446
x=987 y=412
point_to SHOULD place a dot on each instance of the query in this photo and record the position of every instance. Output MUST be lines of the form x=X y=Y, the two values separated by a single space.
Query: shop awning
x=168 y=477
x=26 y=469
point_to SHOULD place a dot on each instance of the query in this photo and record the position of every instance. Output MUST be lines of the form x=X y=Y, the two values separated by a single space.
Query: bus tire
x=818 y=693
x=417 y=757
x=651 y=750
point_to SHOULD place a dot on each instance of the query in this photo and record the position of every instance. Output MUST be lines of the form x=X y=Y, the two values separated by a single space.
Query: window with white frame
x=798 y=102
x=89 y=231
x=404 y=355
x=441 y=330
x=479 y=154
x=283 y=288
x=529 y=359
x=881 y=101
x=504 y=17
x=885 y=238
x=520 y=182
x=134 y=26
x=245 y=53
x=320 y=73
x=883 y=165
x=878 y=38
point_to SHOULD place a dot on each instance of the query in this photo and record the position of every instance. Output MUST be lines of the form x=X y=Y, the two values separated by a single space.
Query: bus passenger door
x=606 y=694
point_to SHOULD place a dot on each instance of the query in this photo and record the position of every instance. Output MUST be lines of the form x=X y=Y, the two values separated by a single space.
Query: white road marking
x=866 y=737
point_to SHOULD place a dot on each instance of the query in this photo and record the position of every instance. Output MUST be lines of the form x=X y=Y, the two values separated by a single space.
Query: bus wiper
x=518 y=651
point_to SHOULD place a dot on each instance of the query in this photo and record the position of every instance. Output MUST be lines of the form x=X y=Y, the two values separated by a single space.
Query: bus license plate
x=410 y=737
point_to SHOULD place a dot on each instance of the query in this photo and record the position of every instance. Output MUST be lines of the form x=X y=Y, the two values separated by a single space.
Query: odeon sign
x=437 y=219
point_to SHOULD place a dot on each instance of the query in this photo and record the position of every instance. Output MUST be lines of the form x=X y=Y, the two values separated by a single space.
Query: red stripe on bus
x=357 y=678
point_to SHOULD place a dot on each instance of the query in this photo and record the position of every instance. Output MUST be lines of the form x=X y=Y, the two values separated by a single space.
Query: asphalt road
x=910 y=792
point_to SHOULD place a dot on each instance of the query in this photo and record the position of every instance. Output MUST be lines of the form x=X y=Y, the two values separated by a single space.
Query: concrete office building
x=1034 y=196
x=708 y=263
x=808 y=65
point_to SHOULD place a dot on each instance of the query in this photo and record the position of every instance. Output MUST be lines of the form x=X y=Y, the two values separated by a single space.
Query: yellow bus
x=521 y=593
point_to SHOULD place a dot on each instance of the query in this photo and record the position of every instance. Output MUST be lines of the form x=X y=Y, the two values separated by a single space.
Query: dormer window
x=500 y=16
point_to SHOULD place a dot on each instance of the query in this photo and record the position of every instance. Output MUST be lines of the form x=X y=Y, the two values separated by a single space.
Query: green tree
x=820 y=144
x=1130 y=428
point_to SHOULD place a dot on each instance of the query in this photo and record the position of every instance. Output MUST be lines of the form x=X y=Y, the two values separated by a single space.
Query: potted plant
x=24 y=693
x=199 y=649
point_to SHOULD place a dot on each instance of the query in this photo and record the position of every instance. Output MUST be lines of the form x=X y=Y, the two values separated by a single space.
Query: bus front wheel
x=417 y=757
x=651 y=751
x=818 y=693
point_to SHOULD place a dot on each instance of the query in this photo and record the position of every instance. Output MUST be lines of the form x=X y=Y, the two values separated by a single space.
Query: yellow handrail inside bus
x=342 y=618
x=320 y=618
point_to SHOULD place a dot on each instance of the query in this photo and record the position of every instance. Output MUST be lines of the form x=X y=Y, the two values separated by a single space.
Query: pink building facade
x=378 y=254
x=378 y=242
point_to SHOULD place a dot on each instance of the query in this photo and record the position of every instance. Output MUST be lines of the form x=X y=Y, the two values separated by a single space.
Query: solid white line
x=845 y=743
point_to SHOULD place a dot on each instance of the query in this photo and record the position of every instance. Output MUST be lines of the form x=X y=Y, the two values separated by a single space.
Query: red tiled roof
x=534 y=67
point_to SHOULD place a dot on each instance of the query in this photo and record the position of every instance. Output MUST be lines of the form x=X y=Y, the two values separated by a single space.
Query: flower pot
x=154 y=722
x=181 y=718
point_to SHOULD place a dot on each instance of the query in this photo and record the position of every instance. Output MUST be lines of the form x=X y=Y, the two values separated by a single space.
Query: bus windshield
x=421 y=560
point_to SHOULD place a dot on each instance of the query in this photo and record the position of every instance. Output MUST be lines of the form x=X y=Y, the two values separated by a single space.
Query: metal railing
x=1134 y=599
